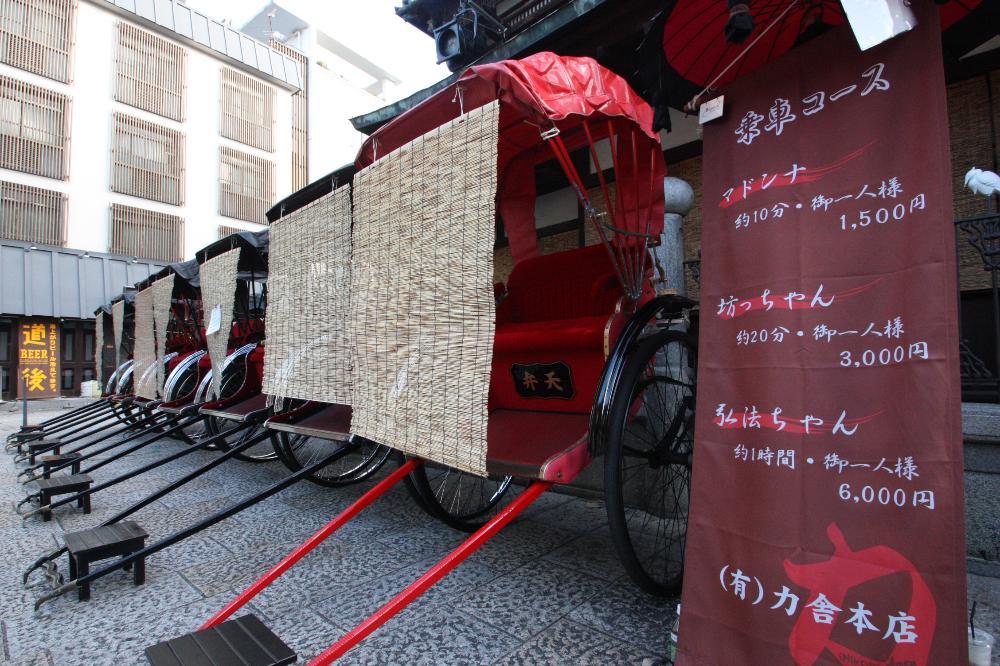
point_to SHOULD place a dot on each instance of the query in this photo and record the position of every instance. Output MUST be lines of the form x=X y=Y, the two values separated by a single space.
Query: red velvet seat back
x=553 y=329
x=565 y=285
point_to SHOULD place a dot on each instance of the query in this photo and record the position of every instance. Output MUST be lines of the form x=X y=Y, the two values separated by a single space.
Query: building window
x=300 y=119
x=37 y=36
x=151 y=72
x=34 y=129
x=146 y=233
x=246 y=185
x=147 y=160
x=225 y=230
x=32 y=215
x=67 y=379
x=247 y=106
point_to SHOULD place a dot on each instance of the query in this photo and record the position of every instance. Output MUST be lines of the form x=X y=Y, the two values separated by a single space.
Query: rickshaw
x=486 y=389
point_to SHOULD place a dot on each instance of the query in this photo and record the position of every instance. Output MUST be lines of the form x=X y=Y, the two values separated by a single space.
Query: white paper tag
x=875 y=21
x=214 y=321
x=711 y=109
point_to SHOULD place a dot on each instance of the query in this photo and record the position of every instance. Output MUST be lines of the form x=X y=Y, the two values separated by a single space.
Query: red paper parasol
x=687 y=51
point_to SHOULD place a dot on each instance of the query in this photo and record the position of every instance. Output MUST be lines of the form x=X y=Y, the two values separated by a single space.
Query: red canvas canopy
x=579 y=97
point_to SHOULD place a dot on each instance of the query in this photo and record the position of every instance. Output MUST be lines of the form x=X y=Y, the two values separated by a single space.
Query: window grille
x=247 y=106
x=300 y=119
x=32 y=214
x=246 y=185
x=34 y=129
x=145 y=233
x=37 y=36
x=150 y=72
x=225 y=230
x=147 y=160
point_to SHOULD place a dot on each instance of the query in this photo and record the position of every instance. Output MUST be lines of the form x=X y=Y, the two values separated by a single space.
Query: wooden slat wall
x=38 y=35
x=32 y=214
x=147 y=160
x=300 y=119
x=246 y=185
x=247 y=106
x=151 y=72
x=145 y=233
x=34 y=129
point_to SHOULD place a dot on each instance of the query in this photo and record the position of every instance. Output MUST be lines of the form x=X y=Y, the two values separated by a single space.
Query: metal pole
x=24 y=403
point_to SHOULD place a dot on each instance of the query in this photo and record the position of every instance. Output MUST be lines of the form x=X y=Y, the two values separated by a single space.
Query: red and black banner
x=827 y=522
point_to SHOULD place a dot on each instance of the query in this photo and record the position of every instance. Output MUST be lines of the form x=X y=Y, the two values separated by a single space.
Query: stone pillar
x=679 y=199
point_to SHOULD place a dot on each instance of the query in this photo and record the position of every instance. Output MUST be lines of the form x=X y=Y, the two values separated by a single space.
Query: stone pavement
x=547 y=590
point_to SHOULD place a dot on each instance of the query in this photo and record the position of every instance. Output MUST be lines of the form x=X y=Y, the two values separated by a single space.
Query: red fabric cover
x=537 y=93
x=558 y=308
x=536 y=445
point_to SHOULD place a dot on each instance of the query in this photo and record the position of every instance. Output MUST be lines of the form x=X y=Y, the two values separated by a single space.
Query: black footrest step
x=245 y=640
x=100 y=543
x=58 y=459
x=36 y=445
x=61 y=484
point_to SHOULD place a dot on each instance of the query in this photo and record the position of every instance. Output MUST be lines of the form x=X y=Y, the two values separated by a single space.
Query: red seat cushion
x=552 y=332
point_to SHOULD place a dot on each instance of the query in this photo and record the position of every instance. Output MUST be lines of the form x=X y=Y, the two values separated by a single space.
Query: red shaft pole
x=284 y=565
x=433 y=575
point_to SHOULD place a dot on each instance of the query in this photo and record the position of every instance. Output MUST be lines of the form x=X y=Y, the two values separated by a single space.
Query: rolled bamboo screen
x=99 y=348
x=422 y=308
x=163 y=295
x=144 y=349
x=309 y=349
x=218 y=290
x=118 y=321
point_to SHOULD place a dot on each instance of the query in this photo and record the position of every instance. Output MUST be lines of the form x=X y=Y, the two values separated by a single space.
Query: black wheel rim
x=654 y=469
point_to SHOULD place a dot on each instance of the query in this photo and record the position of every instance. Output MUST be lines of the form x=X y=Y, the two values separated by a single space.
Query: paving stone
x=437 y=636
x=41 y=658
x=626 y=612
x=530 y=598
x=592 y=553
x=520 y=543
x=354 y=604
x=570 y=644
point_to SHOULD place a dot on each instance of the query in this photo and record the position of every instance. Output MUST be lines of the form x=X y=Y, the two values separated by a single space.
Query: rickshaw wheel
x=185 y=385
x=299 y=451
x=233 y=377
x=461 y=500
x=647 y=468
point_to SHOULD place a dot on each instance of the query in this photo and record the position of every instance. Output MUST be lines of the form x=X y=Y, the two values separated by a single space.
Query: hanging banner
x=827 y=522
x=38 y=359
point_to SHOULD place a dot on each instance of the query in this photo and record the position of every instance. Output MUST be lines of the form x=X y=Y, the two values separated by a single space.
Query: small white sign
x=875 y=21
x=214 y=321
x=711 y=110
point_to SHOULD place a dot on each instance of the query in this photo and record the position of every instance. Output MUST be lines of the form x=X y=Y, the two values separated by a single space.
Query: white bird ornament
x=982 y=182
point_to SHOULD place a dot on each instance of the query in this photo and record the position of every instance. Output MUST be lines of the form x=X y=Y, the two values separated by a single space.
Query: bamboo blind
x=99 y=347
x=247 y=106
x=37 y=36
x=163 y=295
x=218 y=290
x=309 y=348
x=422 y=310
x=145 y=233
x=147 y=160
x=144 y=347
x=225 y=230
x=32 y=214
x=300 y=119
x=118 y=326
x=34 y=129
x=246 y=185
x=151 y=72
